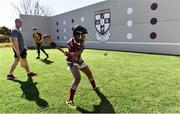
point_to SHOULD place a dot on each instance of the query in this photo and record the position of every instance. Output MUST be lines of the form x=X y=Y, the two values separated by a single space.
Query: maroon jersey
x=74 y=46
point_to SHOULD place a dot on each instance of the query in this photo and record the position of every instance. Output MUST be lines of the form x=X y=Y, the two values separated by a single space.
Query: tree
x=5 y=31
x=32 y=7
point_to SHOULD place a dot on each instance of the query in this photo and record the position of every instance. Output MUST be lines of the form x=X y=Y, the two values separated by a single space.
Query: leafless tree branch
x=31 y=7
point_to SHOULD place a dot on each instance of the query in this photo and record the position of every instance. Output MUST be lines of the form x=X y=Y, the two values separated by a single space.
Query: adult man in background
x=19 y=49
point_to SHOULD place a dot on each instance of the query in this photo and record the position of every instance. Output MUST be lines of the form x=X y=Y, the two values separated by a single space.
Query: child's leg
x=77 y=79
x=88 y=73
x=42 y=49
x=38 y=49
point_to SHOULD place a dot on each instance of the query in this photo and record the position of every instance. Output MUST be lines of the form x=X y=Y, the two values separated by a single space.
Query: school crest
x=102 y=25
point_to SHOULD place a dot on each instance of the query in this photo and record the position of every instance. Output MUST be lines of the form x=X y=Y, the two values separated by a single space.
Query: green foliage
x=5 y=44
x=5 y=31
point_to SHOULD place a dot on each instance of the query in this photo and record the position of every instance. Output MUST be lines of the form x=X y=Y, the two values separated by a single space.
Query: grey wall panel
x=137 y=47
x=166 y=32
x=160 y=48
x=142 y=12
x=77 y=15
x=123 y=36
x=43 y=23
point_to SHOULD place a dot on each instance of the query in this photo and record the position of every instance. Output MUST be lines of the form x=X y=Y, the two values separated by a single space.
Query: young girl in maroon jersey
x=76 y=63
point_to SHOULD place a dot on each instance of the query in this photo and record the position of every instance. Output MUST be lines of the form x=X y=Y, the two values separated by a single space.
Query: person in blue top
x=19 y=49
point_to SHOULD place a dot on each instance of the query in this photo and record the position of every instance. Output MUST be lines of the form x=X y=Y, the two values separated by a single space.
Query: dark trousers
x=40 y=48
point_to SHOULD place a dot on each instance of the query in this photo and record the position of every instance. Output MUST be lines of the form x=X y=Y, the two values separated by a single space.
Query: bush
x=5 y=31
x=4 y=39
x=5 y=45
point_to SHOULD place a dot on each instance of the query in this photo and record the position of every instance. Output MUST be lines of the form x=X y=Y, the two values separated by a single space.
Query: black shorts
x=23 y=54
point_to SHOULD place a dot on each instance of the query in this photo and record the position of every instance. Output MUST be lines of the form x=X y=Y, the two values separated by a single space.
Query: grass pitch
x=130 y=82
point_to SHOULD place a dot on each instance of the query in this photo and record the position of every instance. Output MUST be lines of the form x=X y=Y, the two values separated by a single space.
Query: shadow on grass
x=46 y=61
x=31 y=92
x=104 y=106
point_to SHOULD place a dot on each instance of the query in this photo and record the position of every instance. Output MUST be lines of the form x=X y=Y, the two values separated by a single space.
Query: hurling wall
x=130 y=25
x=151 y=26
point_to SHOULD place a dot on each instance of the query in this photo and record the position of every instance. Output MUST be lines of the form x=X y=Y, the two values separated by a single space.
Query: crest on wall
x=102 y=25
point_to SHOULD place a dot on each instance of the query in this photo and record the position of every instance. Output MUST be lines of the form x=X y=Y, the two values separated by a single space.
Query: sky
x=57 y=7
